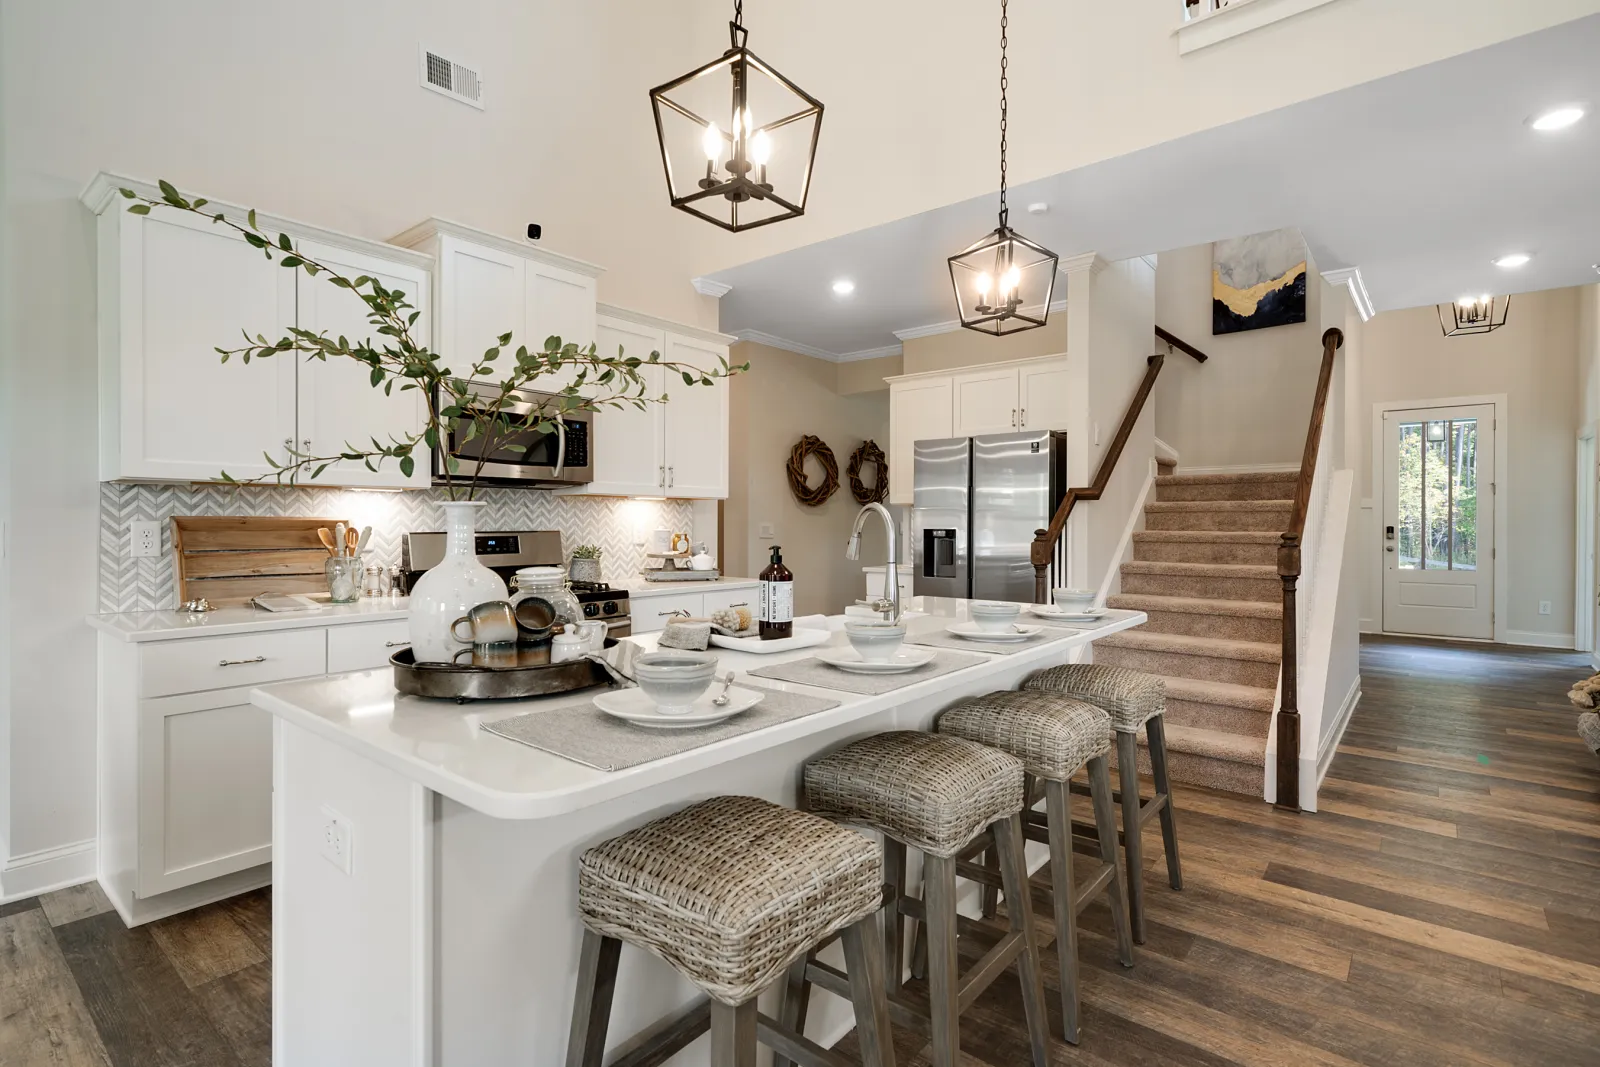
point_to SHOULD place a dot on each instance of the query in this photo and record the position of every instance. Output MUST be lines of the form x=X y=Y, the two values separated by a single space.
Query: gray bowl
x=876 y=641
x=673 y=679
x=1078 y=600
x=994 y=616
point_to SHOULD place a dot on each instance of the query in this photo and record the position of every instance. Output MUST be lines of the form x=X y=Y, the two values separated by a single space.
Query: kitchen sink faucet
x=889 y=603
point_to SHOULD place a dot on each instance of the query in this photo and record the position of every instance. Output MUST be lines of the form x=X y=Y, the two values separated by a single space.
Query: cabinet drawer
x=717 y=599
x=651 y=613
x=188 y=666
x=365 y=647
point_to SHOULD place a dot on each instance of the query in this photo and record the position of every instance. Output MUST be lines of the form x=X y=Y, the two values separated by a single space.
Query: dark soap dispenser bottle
x=777 y=599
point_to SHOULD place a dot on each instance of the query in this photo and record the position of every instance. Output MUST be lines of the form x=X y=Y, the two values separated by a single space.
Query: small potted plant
x=585 y=565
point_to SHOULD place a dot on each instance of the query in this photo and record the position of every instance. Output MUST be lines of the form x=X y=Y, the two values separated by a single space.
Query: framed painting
x=1258 y=281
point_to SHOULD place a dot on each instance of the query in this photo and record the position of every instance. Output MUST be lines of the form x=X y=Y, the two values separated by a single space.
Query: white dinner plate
x=804 y=637
x=904 y=659
x=1018 y=632
x=1053 y=611
x=631 y=705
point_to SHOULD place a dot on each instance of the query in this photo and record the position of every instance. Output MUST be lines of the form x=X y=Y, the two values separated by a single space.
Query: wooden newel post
x=1288 y=797
x=1040 y=556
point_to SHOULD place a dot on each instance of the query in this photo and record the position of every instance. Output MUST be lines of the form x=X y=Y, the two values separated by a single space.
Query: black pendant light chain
x=1004 y=22
x=737 y=34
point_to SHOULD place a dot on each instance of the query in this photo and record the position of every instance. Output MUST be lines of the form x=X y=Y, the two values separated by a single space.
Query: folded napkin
x=618 y=661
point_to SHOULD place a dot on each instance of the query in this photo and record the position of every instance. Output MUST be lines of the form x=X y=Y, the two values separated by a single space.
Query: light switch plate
x=765 y=531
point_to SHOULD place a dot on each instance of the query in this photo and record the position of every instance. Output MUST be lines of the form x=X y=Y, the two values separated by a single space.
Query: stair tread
x=1188 y=645
x=1228 y=694
x=1217 y=537
x=1205 y=570
x=1187 y=605
x=1285 y=504
x=1216 y=744
x=1226 y=478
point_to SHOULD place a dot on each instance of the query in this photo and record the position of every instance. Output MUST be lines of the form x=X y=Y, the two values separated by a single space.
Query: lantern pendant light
x=722 y=164
x=1474 y=315
x=1003 y=283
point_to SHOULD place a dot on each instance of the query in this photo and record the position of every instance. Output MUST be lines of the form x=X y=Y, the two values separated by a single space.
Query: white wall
x=1534 y=360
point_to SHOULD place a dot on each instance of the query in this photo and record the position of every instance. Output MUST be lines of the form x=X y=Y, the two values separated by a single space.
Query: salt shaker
x=372 y=583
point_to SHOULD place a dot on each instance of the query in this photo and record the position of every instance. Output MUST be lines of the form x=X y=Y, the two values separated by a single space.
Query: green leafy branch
x=463 y=406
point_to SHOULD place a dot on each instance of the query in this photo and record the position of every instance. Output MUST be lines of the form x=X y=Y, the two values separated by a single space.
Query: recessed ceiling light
x=1513 y=261
x=1557 y=118
x=844 y=287
x=1039 y=208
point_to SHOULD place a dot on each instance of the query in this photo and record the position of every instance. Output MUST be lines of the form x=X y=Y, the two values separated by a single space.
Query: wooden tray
x=228 y=559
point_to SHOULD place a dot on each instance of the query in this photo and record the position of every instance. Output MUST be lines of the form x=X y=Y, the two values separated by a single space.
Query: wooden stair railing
x=1288 y=792
x=1044 y=541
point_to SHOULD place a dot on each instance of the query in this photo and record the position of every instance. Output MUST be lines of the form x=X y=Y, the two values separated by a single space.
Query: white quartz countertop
x=639 y=587
x=439 y=745
x=171 y=625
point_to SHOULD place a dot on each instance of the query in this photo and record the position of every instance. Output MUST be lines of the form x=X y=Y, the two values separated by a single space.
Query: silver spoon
x=722 y=699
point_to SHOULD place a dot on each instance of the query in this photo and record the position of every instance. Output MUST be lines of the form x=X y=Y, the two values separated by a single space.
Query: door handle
x=561 y=445
x=672 y=476
x=288 y=444
x=1388 y=548
x=1022 y=417
x=305 y=445
x=661 y=476
x=237 y=662
x=1013 y=418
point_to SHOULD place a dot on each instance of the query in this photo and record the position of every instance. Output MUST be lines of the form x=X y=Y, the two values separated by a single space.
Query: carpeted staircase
x=1205 y=570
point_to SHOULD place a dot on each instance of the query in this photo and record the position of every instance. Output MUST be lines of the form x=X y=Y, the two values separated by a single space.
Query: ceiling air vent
x=455 y=80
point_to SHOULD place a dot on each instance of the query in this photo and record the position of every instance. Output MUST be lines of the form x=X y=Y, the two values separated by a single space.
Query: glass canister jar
x=344 y=578
x=550 y=585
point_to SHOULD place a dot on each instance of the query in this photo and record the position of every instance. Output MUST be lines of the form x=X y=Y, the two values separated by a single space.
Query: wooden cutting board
x=230 y=559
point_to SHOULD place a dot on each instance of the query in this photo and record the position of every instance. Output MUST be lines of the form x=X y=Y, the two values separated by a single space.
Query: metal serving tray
x=463 y=682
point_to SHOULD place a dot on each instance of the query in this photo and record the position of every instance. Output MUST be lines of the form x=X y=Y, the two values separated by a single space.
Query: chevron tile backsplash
x=128 y=584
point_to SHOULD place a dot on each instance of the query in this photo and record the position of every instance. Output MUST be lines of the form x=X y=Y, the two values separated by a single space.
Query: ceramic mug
x=487 y=624
x=496 y=655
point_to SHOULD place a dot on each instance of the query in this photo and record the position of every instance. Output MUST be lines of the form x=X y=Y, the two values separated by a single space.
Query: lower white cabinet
x=652 y=611
x=365 y=648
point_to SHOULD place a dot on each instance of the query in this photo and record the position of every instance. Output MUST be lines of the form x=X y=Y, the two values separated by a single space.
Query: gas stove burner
x=591 y=587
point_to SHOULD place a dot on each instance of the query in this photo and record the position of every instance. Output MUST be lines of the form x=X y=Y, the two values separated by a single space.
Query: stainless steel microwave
x=526 y=456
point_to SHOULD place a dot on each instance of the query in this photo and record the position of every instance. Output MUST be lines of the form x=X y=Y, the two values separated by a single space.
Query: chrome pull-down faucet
x=890 y=604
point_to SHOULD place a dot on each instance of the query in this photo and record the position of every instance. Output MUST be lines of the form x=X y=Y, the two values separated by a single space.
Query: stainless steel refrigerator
x=977 y=502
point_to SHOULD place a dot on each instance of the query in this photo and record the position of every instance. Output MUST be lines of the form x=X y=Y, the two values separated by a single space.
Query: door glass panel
x=1436 y=496
x=1464 y=494
x=1409 y=533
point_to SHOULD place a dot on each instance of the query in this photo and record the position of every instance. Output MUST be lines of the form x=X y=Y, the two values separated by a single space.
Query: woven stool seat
x=932 y=792
x=1130 y=697
x=1052 y=735
x=730 y=891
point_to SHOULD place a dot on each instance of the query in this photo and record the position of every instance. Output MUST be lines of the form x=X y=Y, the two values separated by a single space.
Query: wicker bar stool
x=1055 y=737
x=730 y=892
x=935 y=794
x=1132 y=699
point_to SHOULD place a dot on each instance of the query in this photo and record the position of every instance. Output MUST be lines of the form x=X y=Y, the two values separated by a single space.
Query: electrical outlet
x=1544 y=607
x=337 y=839
x=765 y=531
x=144 y=539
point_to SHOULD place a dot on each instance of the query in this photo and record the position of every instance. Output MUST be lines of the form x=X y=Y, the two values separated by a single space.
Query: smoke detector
x=449 y=77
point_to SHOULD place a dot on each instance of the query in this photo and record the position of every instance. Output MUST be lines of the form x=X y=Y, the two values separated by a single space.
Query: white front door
x=1438 y=524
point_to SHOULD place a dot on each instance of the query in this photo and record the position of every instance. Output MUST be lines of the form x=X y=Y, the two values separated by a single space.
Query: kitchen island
x=425 y=870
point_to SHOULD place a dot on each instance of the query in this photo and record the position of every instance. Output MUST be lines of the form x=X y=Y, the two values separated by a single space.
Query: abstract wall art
x=1258 y=281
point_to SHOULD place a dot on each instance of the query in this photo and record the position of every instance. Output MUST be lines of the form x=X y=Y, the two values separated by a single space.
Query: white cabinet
x=1042 y=395
x=985 y=401
x=919 y=410
x=652 y=611
x=174 y=287
x=557 y=303
x=696 y=422
x=629 y=442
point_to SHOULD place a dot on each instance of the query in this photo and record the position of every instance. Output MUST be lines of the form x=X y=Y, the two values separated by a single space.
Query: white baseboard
x=1538 y=639
x=1165 y=453
x=1244 y=468
x=1330 y=744
x=1594 y=660
x=1370 y=626
x=1113 y=576
x=47 y=870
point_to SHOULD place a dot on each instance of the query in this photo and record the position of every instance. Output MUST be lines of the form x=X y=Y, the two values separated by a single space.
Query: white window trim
x=1239 y=17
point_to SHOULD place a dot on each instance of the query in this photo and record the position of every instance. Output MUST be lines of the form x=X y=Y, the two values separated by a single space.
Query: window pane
x=1464 y=492
x=1409 y=534
x=1436 y=496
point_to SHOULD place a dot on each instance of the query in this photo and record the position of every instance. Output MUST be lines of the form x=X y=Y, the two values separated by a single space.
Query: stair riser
x=1274 y=490
x=1166 y=468
x=1203 y=770
x=1204 y=552
x=1274 y=519
x=1205 y=668
x=1223 y=718
x=1204 y=587
x=1229 y=627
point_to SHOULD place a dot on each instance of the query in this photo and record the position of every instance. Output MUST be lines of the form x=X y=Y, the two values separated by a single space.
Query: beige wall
x=783 y=397
x=966 y=348
x=1589 y=354
x=1247 y=405
x=867 y=375
x=1534 y=361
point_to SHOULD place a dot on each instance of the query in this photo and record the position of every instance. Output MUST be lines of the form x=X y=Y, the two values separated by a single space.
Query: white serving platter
x=903 y=660
x=804 y=637
x=1018 y=632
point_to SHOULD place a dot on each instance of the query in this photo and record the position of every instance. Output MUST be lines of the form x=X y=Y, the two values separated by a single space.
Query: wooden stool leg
x=894 y=924
x=1156 y=732
x=1019 y=909
x=1128 y=771
x=991 y=895
x=1105 y=820
x=1058 y=805
x=591 y=1010
x=864 y=963
x=796 y=1002
x=939 y=898
x=733 y=1034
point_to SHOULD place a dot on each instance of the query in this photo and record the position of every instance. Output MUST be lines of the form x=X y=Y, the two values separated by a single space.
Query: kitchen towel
x=945 y=639
x=815 y=672
x=575 y=729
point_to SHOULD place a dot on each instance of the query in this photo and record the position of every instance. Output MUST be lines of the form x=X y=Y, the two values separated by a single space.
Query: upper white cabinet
x=174 y=287
x=996 y=398
x=628 y=452
x=695 y=418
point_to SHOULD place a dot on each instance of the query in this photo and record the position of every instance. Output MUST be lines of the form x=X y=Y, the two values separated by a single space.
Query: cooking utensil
x=722 y=699
x=325 y=535
x=338 y=539
x=350 y=539
x=361 y=542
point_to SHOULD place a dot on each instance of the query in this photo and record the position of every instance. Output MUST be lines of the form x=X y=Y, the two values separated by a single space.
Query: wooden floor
x=1443 y=908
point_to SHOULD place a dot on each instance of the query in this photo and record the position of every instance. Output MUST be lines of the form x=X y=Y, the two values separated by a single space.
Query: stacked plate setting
x=994 y=620
x=674 y=693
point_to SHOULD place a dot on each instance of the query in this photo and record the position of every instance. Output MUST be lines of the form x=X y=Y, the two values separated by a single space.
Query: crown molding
x=870 y=353
x=1350 y=277
x=911 y=333
x=1092 y=262
x=711 y=287
x=655 y=322
x=773 y=341
x=430 y=228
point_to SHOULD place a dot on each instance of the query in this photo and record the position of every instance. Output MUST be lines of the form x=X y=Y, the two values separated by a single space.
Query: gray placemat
x=579 y=731
x=945 y=639
x=1064 y=624
x=815 y=672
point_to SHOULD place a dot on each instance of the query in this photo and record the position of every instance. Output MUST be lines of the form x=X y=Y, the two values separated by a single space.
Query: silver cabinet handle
x=305 y=444
x=288 y=444
x=1022 y=417
x=236 y=662
x=672 y=614
x=661 y=476
x=395 y=644
x=672 y=476
x=1013 y=418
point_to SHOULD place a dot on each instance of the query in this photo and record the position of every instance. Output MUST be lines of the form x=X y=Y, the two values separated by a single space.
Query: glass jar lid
x=530 y=576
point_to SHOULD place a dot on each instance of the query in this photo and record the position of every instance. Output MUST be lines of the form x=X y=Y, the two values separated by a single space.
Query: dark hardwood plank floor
x=1442 y=908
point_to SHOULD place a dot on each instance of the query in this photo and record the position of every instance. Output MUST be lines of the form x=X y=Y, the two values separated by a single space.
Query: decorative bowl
x=674 y=679
x=1076 y=600
x=875 y=640
x=993 y=616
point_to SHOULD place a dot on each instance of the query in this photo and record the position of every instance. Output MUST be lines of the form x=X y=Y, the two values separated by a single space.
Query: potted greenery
x=454 y=396
x=585 y=566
